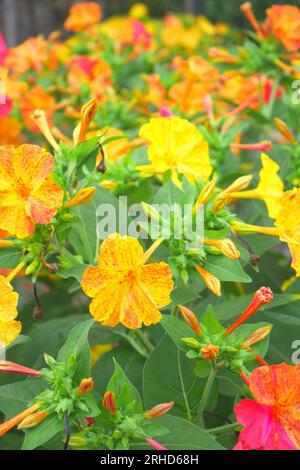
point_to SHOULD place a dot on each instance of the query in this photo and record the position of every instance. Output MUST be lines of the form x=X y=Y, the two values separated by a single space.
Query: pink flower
x=3 y=49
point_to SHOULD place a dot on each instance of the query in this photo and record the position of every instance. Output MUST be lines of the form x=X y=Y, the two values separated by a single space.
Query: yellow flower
x=177 y=146
x=288 y=223
x=124 y=288
x=9 y=328
x=28 y=194
x=138 y=10
x=270 y=187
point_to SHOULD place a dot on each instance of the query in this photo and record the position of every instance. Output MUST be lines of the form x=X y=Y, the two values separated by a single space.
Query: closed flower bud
x=257 y=336
x=190 y=318
x=40 y=119
x=109 y=402
x=33 y=420
x=284 y=130
x=191 y=343
x=150 y=211
x=211 y=281
x=8 y=367
x=159 y=410
x=77 y=442
x=247 y=229
x=225 y=245
x=86 y=386
x=224 y=198
x=84 y=196
x=156 y=445
x=209 y=351
x=88 y=112
x=6 y=243
x=206 y=194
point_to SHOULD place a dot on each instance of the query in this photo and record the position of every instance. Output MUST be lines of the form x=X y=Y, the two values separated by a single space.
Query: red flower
x=272 y=420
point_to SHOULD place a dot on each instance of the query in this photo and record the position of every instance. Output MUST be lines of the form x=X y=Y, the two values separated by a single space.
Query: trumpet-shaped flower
x=285 y=25
x=177 y=146
x=288 y=224
x=28 y=194
x=9 y=327
x=83 y=15
x=124 y=288
x=272 y=420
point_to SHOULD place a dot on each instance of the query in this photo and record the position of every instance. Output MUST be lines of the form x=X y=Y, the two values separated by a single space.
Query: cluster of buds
x=224 y=347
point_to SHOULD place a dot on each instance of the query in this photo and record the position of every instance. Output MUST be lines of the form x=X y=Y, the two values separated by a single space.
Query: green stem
x=222 y=429
x=144 y=341
x=185 y=398
x=206 y=393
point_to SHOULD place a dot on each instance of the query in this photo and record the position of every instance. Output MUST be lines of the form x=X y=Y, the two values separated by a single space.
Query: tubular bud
x=8 y=425
x=264 y=146
x=247 y=229
x=33 y=420
x=150 y=211
x=262 y=296
x=284 y=130
x=86 y=386
x=258 y=335
x=206 y=194
x=246 y=8
x=6 y=243
x=40 y=119
x=84 y=196
x=211 y=281
x=88 y=112
x=209 y=351
x=109 y=402
x=159 y=410
x=191 y=319
x=7 y=367
x=77 y=442
x=155 y=445
x=224 y=198
x=191 y=343
x=225 y=245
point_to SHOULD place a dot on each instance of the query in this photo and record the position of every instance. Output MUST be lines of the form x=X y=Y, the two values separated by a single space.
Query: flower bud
x=262 y=296
x=211 y=281
x=191 y=343
x=205 y=194
x=191 y=319
x=86 y=386
x=150 y=211
x=284 y=130
x=109 y=402
x=84 y=196
x=40 y=119
x=88 y=112
x=225 y=245
x=209 y=351
x=159 y=410
x=8 y=425
x=258 y=335
x=155 y=445
x=224 y=198
x=8 y=367
x=263 y=146
x=246 y=8
x=33 y=420
x=77 y=442
x=247 y=229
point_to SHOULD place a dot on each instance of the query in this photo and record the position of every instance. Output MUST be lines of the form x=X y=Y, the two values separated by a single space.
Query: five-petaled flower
x=272 y=420
x=28 y=194
x=124 y=288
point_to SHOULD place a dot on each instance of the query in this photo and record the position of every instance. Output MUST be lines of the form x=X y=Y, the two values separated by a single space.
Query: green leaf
x=177 y=329
x=17 y=396
x=124 y=391
x=46 y=430
x=226 y=269
x=78 y=345
x=211 y=322
x=9 y=257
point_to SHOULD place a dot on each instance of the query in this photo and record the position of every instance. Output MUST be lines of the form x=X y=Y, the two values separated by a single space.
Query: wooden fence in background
x=20 y=19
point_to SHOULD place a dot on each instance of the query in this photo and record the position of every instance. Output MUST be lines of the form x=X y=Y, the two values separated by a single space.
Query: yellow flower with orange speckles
x=28 y=194
x=9 y=327
x=124 y=288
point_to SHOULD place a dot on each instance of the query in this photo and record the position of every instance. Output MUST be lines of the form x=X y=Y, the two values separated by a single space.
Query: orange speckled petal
x=94 y=279
x=120 y=251
x=106 y=306
x=8 y=301
x=7 y=174
x=157 y=281
x=32 y=164
x=15 y=220
x=9 y=331
x=44 y=201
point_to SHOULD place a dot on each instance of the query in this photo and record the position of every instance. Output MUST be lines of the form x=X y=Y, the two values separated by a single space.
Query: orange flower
x=124 y=289
x=8 y=425
x=83 y=15
x=272 y=420
x=28 y=195
x=9 y=327
x=285 y=25
x=10 y=130
x=31 y=54
x=36 y=98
